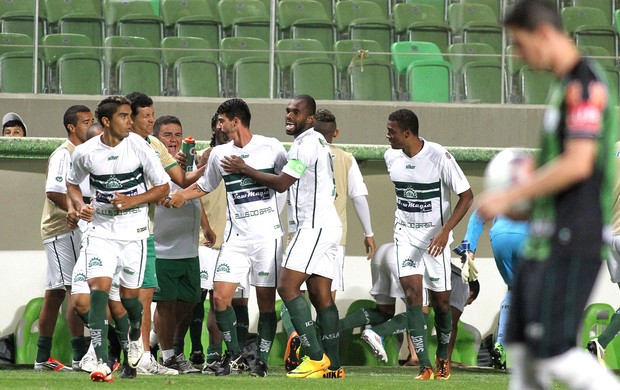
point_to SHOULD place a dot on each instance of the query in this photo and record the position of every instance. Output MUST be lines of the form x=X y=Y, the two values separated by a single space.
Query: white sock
x=524 y=374
x=153 y=339
x=579 y=370
x=168 y=353
x=146 y=359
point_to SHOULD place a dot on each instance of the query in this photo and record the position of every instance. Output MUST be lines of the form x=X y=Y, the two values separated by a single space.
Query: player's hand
x=371 y=247
x=181 y=159
x=232 y=164
x=438 y=244
x=87 y=212
x=473 y=270
x=73 y=217
x=210 y=236
x=174 y=199
x=462 y=249
x=204 y=158
x=121 y=201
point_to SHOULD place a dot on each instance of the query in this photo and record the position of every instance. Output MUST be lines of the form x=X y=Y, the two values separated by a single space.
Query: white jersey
x=311 y=199
x=252 y=213
x=177 y=231
x=423 y=186
x=125 y=168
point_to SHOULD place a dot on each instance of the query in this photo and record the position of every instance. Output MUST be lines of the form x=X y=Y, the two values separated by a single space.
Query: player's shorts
x=313 y=251
x=459 y=293
x=384 y=272
x=208 y=259
x=105 y=258
x=62 y=253
x=79 y=285
x=412 y=260
x=613 y=262
x=150 y=271
x=258 y=260
x=338 y=280
x=178 y=279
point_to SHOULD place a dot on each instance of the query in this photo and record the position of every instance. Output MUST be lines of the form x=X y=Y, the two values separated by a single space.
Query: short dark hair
x=310 y=102
x=474 y=286
x=324 y=121
x=236 y=108
x=13 y=123
x=71 y=117
x=406 y=119
x=165 y=120
x=108 y=106
x=530 y=14
x=213 y=125
x=138 y=100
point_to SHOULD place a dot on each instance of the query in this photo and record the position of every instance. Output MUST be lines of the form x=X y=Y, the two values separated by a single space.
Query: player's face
x=297 y=119
x=530 y=46
x=171 y=135
x=120 y=124
x=228 y=127
x=220 y=136
x=13 y=131
x=84 y=121
x=144 y=121
x=395 y=135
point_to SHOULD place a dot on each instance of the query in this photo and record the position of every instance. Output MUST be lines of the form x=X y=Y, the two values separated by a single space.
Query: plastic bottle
x=189 y=148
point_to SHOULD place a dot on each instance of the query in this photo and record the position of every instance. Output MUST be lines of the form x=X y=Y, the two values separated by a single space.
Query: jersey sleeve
x=452 y=174
x=299 y=159
x=355 y=183
x=586 y=101
x=212 y=176
x=79 y=169
x=57 y=170
x=281 y=158
x=153 y=169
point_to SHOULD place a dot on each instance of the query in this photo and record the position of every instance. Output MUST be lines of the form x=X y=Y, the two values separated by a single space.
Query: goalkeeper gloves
x=469 y=272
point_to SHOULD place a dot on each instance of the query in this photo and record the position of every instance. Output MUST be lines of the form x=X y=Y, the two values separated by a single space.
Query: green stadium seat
x=607 y=6
x=347 y=50
x=441 y=5
x=328 y=5
x=384 y=5
x=22 y=23
x=192 y=19
x=362 y=20
x=197 y=76
x=466 y=345
x=495 y=5
x=304 y=74
x=174 y=48
x=16 y=73
x=80 y=73
x=117 y=47
x=598 y=54
x=406 y=52
x=251 y=77
x=90 y=25
x=482 y=82
x=589 y=27
x=139 y=73
x=513 y=66
x=429 y=81
x=57 y=45
x=475 y=23
x=291 y=50
x=371 y=80
x=461 y=54
x=57 y=9
x=235 y=48
x=14 y=42
x=245 y=18
x=534 y=85
x=134 y=18
x=422 y=22
x=306 y=19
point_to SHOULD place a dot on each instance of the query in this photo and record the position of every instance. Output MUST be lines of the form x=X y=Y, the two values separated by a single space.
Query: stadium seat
x=57 y=9
x=362 y=20
x=513 y=66
x=422 y=22
x=534 y=85
x=466 y=345
x=291 y=50
x=235 y=48
x=441 y=5
x=461 y=54
x=80 y=73
x=57 y=45
x=133 y=18
x=245 y=18
x=406 y=52
x=304 y=74
x=22 y=23
x=16 y=73
x=328 y=5
x=475 y=23
x=197 y=76
x=305 y=19
x=599 y=54
x=482 y=82
x=118 y=47
x=139 y=73
x=27 y=334
x=91 y=25
x=607 y=6
x=613 y=79
x=347 y=50
x=596 y=318
x=384 y=5
x=429 y=81
x=251 y=77
x=14 y=42
x=589 y=27
x=371 y=80
x=192 y=19
x=493 y=4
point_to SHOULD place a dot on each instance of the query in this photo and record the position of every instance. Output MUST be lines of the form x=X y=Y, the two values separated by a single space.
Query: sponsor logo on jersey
x=142 y=229
x=244 y=155
x=112 y=183
x=112 y=158
x=254 y=213
x=95 y=262
x=414 y=206
x=409 y=166
x=59 y=178
x=204 y=275
x=223 y=268
x=128 y=271
x=80 y=277
x=434 y=279
x=263 y=273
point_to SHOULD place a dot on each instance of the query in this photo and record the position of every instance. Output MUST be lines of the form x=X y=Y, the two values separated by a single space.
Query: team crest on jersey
x=128 y=271
x=408 y=263
x=95 y=262
x=223 y=268
x=246 y=181
x=112 y=182
x=80 y=277
x=59 y=178
x=410 y=193
x=204 y=275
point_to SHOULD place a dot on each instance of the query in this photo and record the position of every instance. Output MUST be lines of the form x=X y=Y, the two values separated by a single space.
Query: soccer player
x=310 y=255
x=253 y=234
x=119 y=164
x=62 y=244
x=571 y=191
x=424 y=175
x=13 y=125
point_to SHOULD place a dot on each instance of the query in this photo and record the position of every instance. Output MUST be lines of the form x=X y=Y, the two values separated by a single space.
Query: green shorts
x=150 y=275
x=178 y=279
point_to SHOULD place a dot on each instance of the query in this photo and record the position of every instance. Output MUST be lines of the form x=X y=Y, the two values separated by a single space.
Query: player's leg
x=194 y=324
x=147 y=291
x=214 y=350
x=456 y=316
x=240 y=306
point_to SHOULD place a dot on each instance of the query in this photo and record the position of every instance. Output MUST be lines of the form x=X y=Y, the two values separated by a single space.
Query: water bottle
x=189 y=148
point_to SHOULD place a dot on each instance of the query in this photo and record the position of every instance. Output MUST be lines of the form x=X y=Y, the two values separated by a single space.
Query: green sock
x=611 y=331
x=84 y=317
x=214 y=352
x=327 y=319
x=44 y=348
x=243 y=324
x=99 y=323
x=395 y=325
x=267 y=324
x=301 y=317
x=417 y=332
x=178 y=346
x=286 y=320
x=227 y=324
x=195 y=327
x=122 y=330
x=443 y=324
x=79 y=347
x=363 y=316
x=134 y=313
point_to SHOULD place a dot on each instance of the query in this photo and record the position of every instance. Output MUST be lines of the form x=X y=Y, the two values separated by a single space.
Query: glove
x=473 y=271
x=462 y=249
x=469 y=272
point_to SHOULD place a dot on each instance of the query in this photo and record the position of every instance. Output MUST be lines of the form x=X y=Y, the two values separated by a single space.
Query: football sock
x=44 y=348
x=195 y=327
x=363 y=316
x=134 y=313
x=267 y=324
x=243 y=324
x=114 y=345
x=502 y=321
x=84 y=317
x=286 y=320
x=301 y=317
x=327 y=320
x=417 y=331
x=79 y=345
x=178 y=346
x=122 y=330
x=227 y=324
x=395 y=325
x=443 y=324
x=167 y=354
x=99 y=323
x=611 y=331
x=577 y=369
x=214 y=352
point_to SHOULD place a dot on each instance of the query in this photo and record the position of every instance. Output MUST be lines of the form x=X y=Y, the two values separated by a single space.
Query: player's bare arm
x=178 y=198
x=59 y=199
x=209 y=234
x=439 y=242
x=76 y=204
x=184 y=179
x=280 y=182
x=371 y=247
x=572 y=166
x=152 y=195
